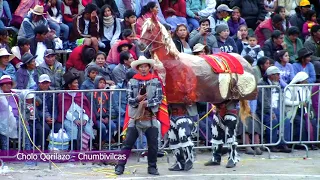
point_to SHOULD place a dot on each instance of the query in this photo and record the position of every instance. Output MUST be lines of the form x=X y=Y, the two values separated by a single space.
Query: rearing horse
x=190 y=78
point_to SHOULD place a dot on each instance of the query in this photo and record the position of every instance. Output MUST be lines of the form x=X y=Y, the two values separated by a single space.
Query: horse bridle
x=152 y=41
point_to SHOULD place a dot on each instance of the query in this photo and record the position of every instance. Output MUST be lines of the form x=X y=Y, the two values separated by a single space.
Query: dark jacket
x=22 y=77
x=239 y=43
x=179 y=44
x=79 y=27
x=55 y=74
x=250 y=9
x=47 y=100
x=34 y=43
x=270 y=49
x=228 y=46
x=298 y=20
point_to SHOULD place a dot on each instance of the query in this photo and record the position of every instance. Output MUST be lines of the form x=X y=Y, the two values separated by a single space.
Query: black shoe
x=212 y=163
x=274 y=149
x=160 y=154
x=176 y=167
x=119 y=169
x=285 y=149
x=188 y=165
x=153 y=171
x=230 y=164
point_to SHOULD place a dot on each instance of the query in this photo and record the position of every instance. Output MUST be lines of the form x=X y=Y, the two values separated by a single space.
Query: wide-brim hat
x=26 y=58
x=304 y=52
x=4 y=52
x=69 y=77
x=142 y=60
x=199 y=47
x=38 y=10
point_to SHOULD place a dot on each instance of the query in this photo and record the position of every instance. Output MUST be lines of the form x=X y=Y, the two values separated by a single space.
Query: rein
x=152 y=41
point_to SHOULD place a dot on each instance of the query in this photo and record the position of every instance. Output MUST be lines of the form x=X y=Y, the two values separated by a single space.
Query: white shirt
x=41 y=48
x=86 y=27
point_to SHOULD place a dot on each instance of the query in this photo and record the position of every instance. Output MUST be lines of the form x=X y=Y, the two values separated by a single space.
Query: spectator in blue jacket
x=6 y=68
x=304 y=64
x=286 y=69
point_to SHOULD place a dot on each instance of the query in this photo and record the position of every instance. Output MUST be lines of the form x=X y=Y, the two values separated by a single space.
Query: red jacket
x=75 y=59
x=266 y=24
x=68 y=17
x=179 y=7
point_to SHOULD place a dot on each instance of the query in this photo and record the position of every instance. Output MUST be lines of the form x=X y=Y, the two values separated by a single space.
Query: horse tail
x=245 y=110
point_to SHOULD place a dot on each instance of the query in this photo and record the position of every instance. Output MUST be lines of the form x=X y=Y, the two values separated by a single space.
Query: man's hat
x=69 y=77
x=142 y=60
x=303 y=52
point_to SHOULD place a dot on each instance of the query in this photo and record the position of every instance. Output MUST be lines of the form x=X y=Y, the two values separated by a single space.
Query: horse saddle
x=224 y=63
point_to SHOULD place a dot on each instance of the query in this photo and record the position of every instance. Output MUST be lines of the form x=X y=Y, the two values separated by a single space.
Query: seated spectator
x=299 y=17
x=197 y=9
x=269 y=100
x=200 y=49
x=181 y=38
x=119 y=72
x=204 y=35
x=219 y=17
x=273 y=44
x=311 y=18
x=32 y=20
x=303 y=64
x=286 y=69
x=104 y=70
x=270 y=5
x=86 y=25
x=263 y=64
x=4 y=39
x=235 y=21
x=225 y=42
x=69 y=10
x=27 y=76
x=40 y=43
x=140 y=9
x=312 y=43
x=76 y=106
x=293 y=43
x=55 y=20
x=146 y=12
x=282 y=12
x=101 y=108
x=19 y=50
x=123 y=45
x=89 y=82
x=242 y=38
x=53 y=68
x=253 y=50
x=111 y=3
x=110 y=28
x=315 y=96
x=6 y=68
x=79 y=58
x=174 y=12
x=6 y=15
x=129 y=21
x=266 y=28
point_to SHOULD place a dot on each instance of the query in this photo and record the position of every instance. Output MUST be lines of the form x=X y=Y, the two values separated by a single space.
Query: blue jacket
x=123 y=99
x=309 y=69
x=87 y=84
x=194 y=6
x=286 y=73
x=23 y=78
x=229 y=46
x=10 y=70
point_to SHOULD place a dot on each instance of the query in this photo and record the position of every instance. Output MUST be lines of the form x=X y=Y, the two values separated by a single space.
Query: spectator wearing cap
x=86 y=25
x=93 y=71
x=27 y=75
x=123 y=45
x=76 y=111
x=53 y=68
x=40 y=43
x=19 y=50
x=313 y=43
x=273 y=44
x=299 y=18
x=267 y=27
x=220 y=16
x=200 y=49
x=225 y=42
x=268 y=109
x=293 y=43
x=303 y=64
x=204 y=35
x=119 y=72
x=6 y=68
x=197 y=9
x=253 y=11
x=235 y=21
x=4 y=39
x=174 y=12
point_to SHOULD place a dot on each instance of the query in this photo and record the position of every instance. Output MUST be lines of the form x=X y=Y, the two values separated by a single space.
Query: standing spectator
x=282 y=12
x=27 y=77
x=6 y=68
x=53 y=68
x=253 y=50
x=286 y=69
x=225 y=43
x=19 y=50
x=253 y=11
x=129 y=21
x=204 y=36
x=299 y=18
x=274 y=44
x=267 y=27
x=110 y=28
x=293 y=43
x=119 y=72
x=219 y=17
x=89 y=82
x=235 y=21
x=69 y=10
x=311 y=18
x=262 y=65
x=242 y=37
x=174 y=12
x=181 y=38
x=197 y=9
x=303 y=64
x=32 y=20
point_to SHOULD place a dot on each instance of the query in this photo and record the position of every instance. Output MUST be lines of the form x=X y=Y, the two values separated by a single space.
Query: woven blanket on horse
x=224 y=63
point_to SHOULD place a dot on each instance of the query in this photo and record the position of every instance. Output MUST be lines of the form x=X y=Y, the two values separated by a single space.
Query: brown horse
x=190 y=78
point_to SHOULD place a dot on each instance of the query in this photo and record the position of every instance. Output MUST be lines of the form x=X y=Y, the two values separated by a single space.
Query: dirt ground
x=280 y=166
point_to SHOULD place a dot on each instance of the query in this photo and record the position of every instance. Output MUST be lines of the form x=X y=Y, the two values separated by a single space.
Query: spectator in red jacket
x=174 y=12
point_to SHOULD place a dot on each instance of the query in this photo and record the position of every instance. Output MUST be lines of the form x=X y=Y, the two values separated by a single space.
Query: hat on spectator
x=26 y=58
x=93 y=68
x=223 y=7
x=5 y=79
x=299 y=77
x=199 y=47
x=49 y=52
x=304 y=3
x=69 y=77
x=38 y=10
x=272 y=70
x=123 y=43
x=303 y=52
x=44 y=78
x=29 y=96
x=142 y=60
x=221 y=27
x=4 y=52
